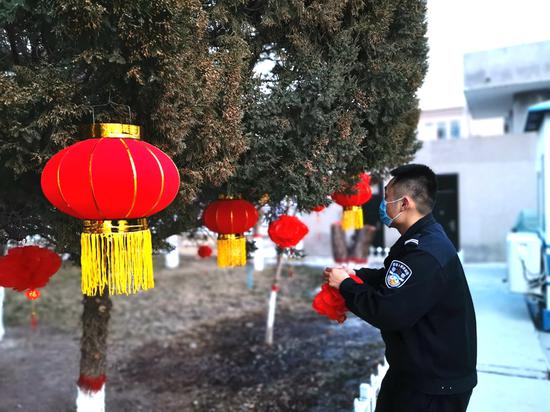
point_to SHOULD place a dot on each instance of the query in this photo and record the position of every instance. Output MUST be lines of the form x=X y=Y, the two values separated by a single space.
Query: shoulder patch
x=398 y=273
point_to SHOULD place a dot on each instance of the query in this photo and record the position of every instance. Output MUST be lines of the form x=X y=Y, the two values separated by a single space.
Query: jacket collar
x=421 y=223
x=418 y=225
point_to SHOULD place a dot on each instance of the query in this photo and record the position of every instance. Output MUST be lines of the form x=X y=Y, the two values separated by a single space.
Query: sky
x=463 y=26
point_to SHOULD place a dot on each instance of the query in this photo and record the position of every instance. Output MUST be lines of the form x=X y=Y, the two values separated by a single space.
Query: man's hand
x=335 y=276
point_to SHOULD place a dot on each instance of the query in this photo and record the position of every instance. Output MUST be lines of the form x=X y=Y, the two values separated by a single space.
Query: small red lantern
x=318 y=208
x=330 y=303
x=32 y=294
x=230 y=218
x=204 y=251
x=287 y=231
x=112 y=181
x=28 y=268
x=353 y=211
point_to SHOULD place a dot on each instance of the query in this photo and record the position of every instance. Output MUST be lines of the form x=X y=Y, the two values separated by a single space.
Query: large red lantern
x=230 y=218
x=112 y=181
x=27 y=268
x=287 y=231
x=352 y=203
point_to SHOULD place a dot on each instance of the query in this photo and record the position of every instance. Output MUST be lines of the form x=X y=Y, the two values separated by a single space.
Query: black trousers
x=395 y=396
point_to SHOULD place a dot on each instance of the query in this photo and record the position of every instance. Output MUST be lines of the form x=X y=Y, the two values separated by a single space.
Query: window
x=441 y=130
x=455 y=129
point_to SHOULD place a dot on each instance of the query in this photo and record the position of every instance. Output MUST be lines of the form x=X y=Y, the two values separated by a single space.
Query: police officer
x=420 y=301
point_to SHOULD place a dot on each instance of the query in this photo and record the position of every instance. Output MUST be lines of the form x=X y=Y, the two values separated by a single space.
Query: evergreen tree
x=339 y=100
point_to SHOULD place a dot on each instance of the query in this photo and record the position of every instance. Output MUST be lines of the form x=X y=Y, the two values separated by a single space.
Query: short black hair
x=417 y=181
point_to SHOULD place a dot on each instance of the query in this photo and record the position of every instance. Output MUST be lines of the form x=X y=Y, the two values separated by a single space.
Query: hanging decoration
x=112 y=181
x=230 y=218
x=27 y=268
x=287 y=231
x=352 y=203
x=204 y=251
x=318 y=208
x=330 y=303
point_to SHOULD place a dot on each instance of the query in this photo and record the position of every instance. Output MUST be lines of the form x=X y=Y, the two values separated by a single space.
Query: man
x=420 y=301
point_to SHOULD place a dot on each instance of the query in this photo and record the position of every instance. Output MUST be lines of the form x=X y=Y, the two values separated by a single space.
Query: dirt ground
x=194 y=343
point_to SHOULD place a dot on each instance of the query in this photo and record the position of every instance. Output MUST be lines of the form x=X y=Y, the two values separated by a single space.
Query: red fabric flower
x=287 y=231
x=204 y=251
x=330 y=303
x=28 y=267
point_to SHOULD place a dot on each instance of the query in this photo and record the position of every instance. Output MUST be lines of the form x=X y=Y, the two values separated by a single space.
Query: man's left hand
x=337 y=276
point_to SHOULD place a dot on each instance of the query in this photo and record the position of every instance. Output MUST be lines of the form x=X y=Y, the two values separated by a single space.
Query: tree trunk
x=273 y=300
x=339 y=245
x=93 y=349
x=2 y=330
x=359 y=250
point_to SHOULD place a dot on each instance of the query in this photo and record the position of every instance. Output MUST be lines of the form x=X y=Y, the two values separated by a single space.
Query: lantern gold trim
x=352 y=217
x=114 y=130
x=116 y=254
x=231 y=250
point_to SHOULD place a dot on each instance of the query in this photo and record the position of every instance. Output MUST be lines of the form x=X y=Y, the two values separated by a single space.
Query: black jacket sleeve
x=399 y=307
x=373 y=277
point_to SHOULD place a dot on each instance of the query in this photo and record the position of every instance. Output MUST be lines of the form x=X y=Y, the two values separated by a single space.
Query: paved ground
x=512 y=365
x=513 y=357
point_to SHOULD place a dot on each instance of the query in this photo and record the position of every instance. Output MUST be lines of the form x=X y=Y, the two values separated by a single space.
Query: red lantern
x=352 y=203
x=318 y=208
x=204 y=251
x=287 y=231
x=112 y=181
x=32 y=294
x=230 y=218
x=330 y=303
x=28 y=268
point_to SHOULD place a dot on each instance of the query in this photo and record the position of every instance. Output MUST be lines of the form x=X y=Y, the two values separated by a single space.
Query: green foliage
x=339 y=100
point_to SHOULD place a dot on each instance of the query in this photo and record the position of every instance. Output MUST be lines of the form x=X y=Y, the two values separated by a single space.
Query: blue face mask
x=384 y=214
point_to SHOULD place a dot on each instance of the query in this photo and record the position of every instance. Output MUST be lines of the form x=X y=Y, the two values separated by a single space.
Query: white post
x=259 y=259
x=271 y=316
x=273 y=301
x=87 y=401
x=172 y=259
x=2 y=330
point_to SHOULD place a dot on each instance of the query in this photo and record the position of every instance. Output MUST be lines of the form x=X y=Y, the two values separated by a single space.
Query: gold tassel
x=352 y=217
x=231 y=250
x=120 y=260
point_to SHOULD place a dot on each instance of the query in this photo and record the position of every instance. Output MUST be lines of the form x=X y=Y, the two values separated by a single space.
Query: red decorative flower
x=287 y=231
x=204 y=251
x=28 y=267
x=330 y=303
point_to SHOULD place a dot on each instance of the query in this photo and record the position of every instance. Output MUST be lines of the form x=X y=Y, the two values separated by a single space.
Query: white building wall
x=497 y=179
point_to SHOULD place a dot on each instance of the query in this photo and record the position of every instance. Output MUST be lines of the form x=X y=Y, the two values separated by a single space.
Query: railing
x=368 y=392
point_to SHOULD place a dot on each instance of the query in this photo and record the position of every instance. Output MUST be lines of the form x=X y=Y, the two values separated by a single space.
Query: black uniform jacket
x=421 y=302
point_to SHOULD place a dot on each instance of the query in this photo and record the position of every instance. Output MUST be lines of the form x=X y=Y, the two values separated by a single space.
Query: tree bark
x=359 y=250
x=93 y=344
x=339 y=245
x=2 y=330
